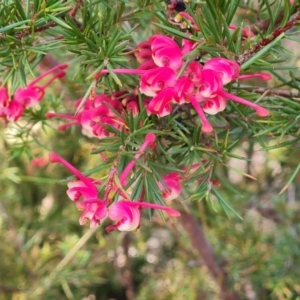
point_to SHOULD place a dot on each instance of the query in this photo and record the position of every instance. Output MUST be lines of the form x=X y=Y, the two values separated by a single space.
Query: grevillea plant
x=168 y=106
x=159 y=111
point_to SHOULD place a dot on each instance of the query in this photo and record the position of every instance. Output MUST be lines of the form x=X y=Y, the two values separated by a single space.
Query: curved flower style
x=94 y=209
x=262 y=112
x=84 y=187
x=32 y=93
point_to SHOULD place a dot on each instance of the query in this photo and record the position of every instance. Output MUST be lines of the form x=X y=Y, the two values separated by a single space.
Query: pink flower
x=32 y=93
x=93 y=210
x=187 y=46
x=161 y=103
x=214 y=105
x=10 y=110
x=194 y=73
x=127 y=214
x=93 y=122
x=173 y=186
x=184 y=87
x=127 y=217
x=165 y=52
x=39 y=162
x=13 y=111
x=211 y=84
x=155 y=80
x=78 y=189
x=4 y=97
x=226 y=68
x=143 y=52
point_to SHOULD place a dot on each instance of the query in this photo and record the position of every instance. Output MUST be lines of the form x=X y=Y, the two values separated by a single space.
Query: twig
x=249 y=53
x=8 y=289
x=264 y=25
x=77 y=6
x=201 y=245
x=268 y=91
x=127 y=273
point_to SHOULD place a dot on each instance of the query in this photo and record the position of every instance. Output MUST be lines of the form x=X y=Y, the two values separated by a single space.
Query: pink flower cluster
x=12 y=109
x=96 y=114
x=169 y=82
x=124 y=212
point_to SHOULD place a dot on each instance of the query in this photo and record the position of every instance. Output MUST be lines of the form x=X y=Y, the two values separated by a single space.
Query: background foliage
x=44 y=252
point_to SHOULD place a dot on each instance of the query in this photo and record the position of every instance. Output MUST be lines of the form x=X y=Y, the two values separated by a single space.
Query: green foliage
x=244 y=191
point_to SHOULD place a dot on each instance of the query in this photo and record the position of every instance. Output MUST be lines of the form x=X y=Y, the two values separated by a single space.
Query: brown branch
x=201 y=245
x=8 y=289
x=127 y=273
x=262 y=26
x=265 y=41
x=38 y=29
x=275 y=92
x=77 y=6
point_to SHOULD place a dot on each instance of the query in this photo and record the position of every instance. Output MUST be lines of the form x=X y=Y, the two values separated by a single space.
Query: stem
x=51 y=115
x=241 y=59
x=120 y=71
x=260 y=26
x=201 y=245
x=268 y=91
